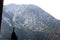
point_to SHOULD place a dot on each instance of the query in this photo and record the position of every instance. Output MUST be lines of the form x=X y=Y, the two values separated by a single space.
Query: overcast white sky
x=50 y=6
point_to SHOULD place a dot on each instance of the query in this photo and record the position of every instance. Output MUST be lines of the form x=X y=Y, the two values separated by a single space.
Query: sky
x=50 y=6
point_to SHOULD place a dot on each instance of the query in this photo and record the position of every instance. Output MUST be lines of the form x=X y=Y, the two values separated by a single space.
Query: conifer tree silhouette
x=13 y=35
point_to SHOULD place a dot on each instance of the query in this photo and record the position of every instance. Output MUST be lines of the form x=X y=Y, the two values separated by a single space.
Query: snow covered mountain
x=28 y=18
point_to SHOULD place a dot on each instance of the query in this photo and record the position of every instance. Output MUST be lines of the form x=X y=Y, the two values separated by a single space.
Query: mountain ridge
x=28 y=17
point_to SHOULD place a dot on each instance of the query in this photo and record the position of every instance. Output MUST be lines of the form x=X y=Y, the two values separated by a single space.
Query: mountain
x=31 y=23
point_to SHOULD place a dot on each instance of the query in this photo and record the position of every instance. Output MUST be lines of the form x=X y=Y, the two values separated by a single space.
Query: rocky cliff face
x=30 y=21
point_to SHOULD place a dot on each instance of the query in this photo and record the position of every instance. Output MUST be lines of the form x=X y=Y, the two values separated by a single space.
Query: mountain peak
x=28 y=19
